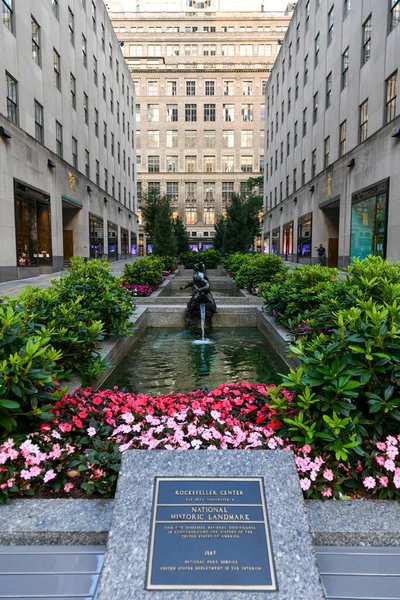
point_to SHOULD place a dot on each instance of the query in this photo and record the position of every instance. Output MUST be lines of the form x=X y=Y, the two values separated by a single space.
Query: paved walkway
x=13 y=288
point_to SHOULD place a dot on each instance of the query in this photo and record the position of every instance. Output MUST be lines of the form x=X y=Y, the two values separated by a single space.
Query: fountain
x=201 y=305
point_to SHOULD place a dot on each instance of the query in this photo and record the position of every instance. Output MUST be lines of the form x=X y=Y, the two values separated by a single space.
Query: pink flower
x=305 y=484
x=35 y=471
x=49 y=475
x=68 y=487
x=91 y=431
x=328 y=474
x=381 y=446
x=65 y=427
x=389 y=465
x=384 y=481
x=306 y=449
x=25 y=474
x=369 y=483
x=380 y=460
x=327 y=492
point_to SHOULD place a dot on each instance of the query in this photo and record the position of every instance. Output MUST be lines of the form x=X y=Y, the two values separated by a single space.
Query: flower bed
x=139 y=290
x=79 y=452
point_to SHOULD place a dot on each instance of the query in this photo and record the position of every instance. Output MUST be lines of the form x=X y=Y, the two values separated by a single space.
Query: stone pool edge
x=87 y=522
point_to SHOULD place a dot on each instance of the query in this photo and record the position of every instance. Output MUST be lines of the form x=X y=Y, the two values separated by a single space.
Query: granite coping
x=125 y=563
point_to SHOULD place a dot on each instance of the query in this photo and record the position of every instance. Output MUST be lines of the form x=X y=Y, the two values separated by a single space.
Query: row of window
x=205 y=29
x=191 y=164
x=135 y=50
x=191 y=137
x=191 y=113
x=192 y=88
x=391 y=87
x=191 y=190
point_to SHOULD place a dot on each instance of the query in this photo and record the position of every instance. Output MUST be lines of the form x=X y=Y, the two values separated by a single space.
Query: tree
x=242 y=223
x=181 y=236
x=219 y=237
x=163 y=237
x=152 y=202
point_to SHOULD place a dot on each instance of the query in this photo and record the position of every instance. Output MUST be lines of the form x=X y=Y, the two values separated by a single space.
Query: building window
x=59 y=139
x=112 y=101
x=228 y=88
x=84 y=51
x=369 y=221
x=363 y=121
x=36 y=50
x=209 y=191
x=190 y=216
x=297 y=37
x=113 y=143
x=296 y=133
x=171 y=88
x=171 y=138
x=306 y=70
x=227 y=191
x=57 y=69
x=137 y=113
x=342 y=138
x=329 y=90
x=289 y=100
x=394 y=14
x=12 y=99
x=8 y=14
x=119 y=153
x=191 y=191
x=209 y=88
x=104 y=87
x=209 y=164
x=317 y=45
x=110 y=55
x=209 y=112
x=87 y=164
x=345 y=67
x=191 y=50
x=228 y=139
x=173 y=191
x=172 y=164
x=315 y=108
x=228 y=164
x=330 y=26
x=153 y=139
x=39 y=123
x=391 y=97
x=313 y=164
x=190 y=112
x=172 y=50
x=210 y=50
x=96 y=122
x=153 y=113
x=172 y=113
x=33 y=232
x=288 y=144
x=94 y=69
x=209 y=216
x=327 y=151
x=246 y=140
x=227 y=50
x=296 y=94
x=190 y=164
x=290 y=54
x=304 y=122
x=304 y=236
x=153 y=164
x=75 y=153
x=190 y=139
x=152 y=88
x=105 y=134
x=247 y=112
x=190 y=88
x=246 y=164
x=72 y=90
x=210 y=138
x=247 y=88
x=346 y=8
x=71 y=26
x=366 y=49
x=86 y=108
x=228 y=112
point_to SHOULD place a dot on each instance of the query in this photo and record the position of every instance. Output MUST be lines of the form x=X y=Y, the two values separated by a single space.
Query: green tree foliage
x=219 y=237
x=242 y=223
x=181 y=235
x=163 y=237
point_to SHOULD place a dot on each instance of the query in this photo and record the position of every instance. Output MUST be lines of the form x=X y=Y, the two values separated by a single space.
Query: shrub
x=169 y=263
x=233 y=262
x=211 y=258
x=260 y=268
x=27 y=370
x=100 y=293
x=144 y=271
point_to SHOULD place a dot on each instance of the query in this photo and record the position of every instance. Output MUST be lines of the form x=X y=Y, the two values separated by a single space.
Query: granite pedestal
x=124 y=572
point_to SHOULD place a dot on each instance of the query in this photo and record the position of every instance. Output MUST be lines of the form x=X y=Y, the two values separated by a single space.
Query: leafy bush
x=144 y=271
x=99 y=292
x=258 y=269
x=27 y=370
x=233 y=262
x=169 y=263
x=299 y=294
x=211 y=258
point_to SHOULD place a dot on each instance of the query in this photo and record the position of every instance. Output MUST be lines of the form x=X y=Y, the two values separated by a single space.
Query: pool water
x=165 y=360
x=229 y=292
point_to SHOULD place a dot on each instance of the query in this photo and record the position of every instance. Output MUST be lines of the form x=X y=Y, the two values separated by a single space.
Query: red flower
x=45 y=427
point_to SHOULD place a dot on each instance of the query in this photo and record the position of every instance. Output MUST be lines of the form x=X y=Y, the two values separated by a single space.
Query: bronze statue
x=201 y=295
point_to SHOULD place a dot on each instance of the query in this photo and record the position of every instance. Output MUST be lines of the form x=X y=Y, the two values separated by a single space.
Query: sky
x=278 y=5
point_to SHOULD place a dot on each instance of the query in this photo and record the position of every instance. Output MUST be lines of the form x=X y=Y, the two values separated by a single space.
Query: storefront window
x=124 y=243
x=304 y=235
x=267 y=243
x=96 y=235
x=32 y=212
x=287 y=242
x=276 y=241
x=134 y=247
x=112 y=234
x=368 y=222
x=141 y=244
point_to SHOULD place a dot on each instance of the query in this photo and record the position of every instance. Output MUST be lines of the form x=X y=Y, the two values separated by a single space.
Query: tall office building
x=332 y=143
x=200 y=79
x=67 y=144
x=185 y=5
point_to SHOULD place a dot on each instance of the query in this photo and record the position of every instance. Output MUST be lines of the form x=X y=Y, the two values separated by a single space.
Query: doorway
x=331 y=214
x=68 y=239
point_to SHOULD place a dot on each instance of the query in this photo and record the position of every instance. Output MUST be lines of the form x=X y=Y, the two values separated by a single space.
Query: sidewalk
x=13 y=288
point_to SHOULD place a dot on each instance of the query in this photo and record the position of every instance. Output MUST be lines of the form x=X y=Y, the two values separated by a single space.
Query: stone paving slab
x=124 y=569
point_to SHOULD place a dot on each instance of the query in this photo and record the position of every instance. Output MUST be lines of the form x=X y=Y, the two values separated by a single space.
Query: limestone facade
x=200 y=104
x=332 y=137
x=67 y=143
